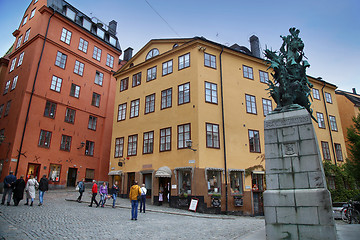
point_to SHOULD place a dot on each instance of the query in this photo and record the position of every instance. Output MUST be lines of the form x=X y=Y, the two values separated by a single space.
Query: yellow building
x=189 y=122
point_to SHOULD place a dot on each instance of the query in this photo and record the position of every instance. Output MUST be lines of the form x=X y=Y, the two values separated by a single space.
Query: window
x=320 y=119
x=214 y=181
x=7 y=86
x=150 y=103
x=70 y=14
x=212 y=135
x=50 y=109
x=338 y=151
x=14 y=82
x=165 y=139
x=119 y=147
x=25 y=20
x=1 y=110
x=75 y=90
x=124 y=83
x=99 y=78
x=19 y=41
x=264 y=76
x=209 y=60
x=254 y=141
x=7 y=109
x=331 y=183
x=267 y=106
x=92 y=122
x=183 y=135
x=333 y=124
x=167 y=67
x=32 y=13
x=60 y=60
x=248 y=72
x=134 y=108
x=132 y=145
x=148 y=142
x=21 y=57
x=83 y=45
x=110 y=61
x=65 y=36
x=151 y=74
x=316 y=94
x=86 y=24
x=56 y=84
x=95 y=100
x=184 y=61
x=70 y=115
x=152 y=53
x=166 y=98
x=65 y=143
x=236 y=182
x=97 y=53
x=79 y=68
x=136 y=79
x=27 y=34
x=250 y=104
x=100 y=32
x=13 y=62
x=122 y=112
x=89 y=174
x=184 y=93
x=257 y=182
x=184 y=183
x=325 y=150
x=328 y=97
x=211 y=93
x=89 y=148
x=112 y=41
x=54 y=174
x=44 y=140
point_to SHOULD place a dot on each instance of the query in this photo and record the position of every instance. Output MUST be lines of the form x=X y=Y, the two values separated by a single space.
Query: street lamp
x=189 y=145
x=122 y=161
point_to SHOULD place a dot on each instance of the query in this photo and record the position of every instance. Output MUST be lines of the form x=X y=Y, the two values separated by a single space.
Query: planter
x=216 y=201
x=238 y=201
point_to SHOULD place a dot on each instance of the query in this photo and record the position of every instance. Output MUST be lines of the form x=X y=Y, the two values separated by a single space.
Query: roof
x=353 y=97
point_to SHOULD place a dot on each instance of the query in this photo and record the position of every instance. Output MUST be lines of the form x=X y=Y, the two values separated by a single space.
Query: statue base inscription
x=297 y=203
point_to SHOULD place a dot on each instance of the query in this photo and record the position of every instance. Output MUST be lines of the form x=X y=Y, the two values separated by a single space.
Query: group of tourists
x=15 y=188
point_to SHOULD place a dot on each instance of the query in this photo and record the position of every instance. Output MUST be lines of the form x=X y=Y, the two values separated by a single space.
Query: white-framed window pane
x=27 y=34
x=19 y=41
x=79 y=68
x=99 y=78
x=21 y=58
x=109 y=61
x=65 y=36
x=56 y=84
x=14 y=82
x=83 y=45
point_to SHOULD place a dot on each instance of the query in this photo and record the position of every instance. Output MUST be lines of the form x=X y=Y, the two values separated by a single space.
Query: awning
x=163 y=172
x=115 y=173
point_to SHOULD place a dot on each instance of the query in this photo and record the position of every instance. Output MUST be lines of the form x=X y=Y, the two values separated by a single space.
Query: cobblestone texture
x=63 y=218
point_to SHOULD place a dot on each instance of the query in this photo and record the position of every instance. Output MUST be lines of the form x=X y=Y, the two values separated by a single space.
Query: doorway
x=164 y=187
x=71 y=179
x=257 y=191
x=130 y=182
x=33 y=169
x=147 y=180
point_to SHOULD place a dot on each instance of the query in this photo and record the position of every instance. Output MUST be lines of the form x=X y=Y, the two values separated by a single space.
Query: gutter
x=31 y=95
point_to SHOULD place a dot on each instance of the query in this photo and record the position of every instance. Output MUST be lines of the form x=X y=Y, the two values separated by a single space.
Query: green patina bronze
x=290 y=88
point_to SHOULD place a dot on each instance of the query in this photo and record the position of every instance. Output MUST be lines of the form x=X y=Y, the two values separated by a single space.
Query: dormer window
x=70 y=14
x=100 y=33
x=152 y=53
x=112 y=41
x=86 y=24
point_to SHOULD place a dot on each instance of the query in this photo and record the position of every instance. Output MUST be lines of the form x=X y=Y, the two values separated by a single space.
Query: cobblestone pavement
x=63 y=218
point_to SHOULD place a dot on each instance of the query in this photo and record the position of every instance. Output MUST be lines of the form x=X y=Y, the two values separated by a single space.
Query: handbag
x=77 y=188
x=139 y=197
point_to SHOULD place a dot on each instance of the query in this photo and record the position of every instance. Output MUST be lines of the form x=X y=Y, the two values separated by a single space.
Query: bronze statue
x=290 y=88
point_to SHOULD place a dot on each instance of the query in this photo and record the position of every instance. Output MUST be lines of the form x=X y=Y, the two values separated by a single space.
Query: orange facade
x=59 y=78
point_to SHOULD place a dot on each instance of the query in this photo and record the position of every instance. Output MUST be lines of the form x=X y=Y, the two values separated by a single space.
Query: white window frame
x=122 y=112
x=321 y=120
x=333 y=124
x=13 y=63
x=65 y=36
x=97 y=53
x=151 y=74
x=19 y=42
x=79 y=68
x=56 y=83
x=267 y=106
x=14 y=82
x=99 y=77
x=32 y=13
x=27 y=34
x=250 y=104
x=211 y=92
x=83 y=45
x=21 y=58
x=328 y=97
x=60 y=60
x=109 y=61
x=167 y=67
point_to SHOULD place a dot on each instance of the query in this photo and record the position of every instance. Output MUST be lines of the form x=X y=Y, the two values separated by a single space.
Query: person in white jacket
x=142 y=198
x=30 y=190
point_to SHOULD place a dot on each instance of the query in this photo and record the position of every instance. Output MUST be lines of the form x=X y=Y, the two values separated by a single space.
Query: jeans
x=134 y=209
x=114 y=199
x=7 y=191
x=41 y=196
x=102 y=199
x=142 y=202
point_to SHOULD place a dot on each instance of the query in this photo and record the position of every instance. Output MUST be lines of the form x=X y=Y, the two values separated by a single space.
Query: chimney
x=354 y=91
x=254 y=45
x=128 y=54
x=112 y=27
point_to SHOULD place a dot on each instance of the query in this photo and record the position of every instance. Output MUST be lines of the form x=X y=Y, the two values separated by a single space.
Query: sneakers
x=40 y=204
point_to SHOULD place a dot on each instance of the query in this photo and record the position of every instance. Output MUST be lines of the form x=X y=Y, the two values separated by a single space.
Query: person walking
x=30 y=190
x=103 y=194
x=19 y=187
x=43 y=187
x=143 y=197
x=133 y=196
x=94 y=190
x=114 y=192
x=81 y=186
x=8 y=188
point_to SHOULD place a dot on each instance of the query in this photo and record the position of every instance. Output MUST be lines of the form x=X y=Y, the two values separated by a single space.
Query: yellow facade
x=232 y=87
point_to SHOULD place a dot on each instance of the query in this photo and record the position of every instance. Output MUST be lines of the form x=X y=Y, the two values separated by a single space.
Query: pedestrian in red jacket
x=94 y=193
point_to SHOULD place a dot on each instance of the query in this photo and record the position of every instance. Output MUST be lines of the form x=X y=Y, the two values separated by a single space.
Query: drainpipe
x=223 y=126
x=31 y=95
x=327 y=118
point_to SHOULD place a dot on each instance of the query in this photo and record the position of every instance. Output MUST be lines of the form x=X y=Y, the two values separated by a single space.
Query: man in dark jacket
x=8 y=182
x=43 y=187
x=19 y=187
x=81 y=186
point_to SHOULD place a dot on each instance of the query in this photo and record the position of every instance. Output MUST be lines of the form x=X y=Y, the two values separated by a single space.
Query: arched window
x=152 y=53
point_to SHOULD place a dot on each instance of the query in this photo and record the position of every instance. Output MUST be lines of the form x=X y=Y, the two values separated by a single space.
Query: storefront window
x=54 y=174
x=236 y=182
x=214 y=181
x=257 y=182
x=184 y=181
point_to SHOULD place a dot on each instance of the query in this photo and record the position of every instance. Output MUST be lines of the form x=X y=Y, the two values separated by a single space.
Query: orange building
x=58 y=95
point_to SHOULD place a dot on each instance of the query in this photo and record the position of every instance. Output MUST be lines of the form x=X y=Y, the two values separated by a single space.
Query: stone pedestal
x=297 y=203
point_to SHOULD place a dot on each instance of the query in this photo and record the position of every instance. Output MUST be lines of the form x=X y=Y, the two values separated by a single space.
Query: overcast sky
x=330 y=29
